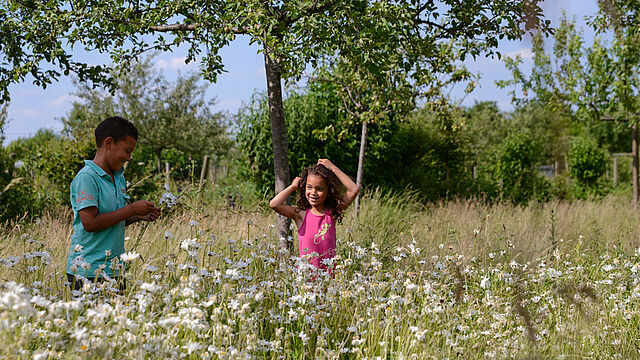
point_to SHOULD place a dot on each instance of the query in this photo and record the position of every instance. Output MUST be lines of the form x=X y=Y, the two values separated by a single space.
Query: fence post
x=213 y=172
x=204 y=170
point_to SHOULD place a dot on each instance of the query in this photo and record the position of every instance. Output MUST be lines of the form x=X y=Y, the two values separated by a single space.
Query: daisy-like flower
x=192 y=347
x=485 y=283
x=151 y=268
x=187 y=244
x=129 y=256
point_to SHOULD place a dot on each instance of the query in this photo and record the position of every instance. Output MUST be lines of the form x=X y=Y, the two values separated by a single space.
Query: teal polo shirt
x=92 y=186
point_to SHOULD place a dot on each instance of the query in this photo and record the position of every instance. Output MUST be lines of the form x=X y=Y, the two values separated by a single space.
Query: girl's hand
x=326 y=164
x=296 y=182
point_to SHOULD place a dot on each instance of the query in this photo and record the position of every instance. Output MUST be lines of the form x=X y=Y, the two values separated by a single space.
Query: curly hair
x=335 y=188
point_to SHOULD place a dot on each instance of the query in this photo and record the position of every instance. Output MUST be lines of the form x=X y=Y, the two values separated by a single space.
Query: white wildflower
x=485 y=283
x=129 y=256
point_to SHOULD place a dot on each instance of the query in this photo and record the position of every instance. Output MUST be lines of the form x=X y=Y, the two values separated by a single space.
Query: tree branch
x=174 y=27
x=312 y=9
x=345 y=87
x=192 y=27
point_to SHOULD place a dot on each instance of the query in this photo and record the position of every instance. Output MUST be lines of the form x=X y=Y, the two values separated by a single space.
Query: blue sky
x=33 y=108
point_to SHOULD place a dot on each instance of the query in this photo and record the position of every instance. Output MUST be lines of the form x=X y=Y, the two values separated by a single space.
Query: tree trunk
x=634 y=151
x=279 y=138
x=363 y=146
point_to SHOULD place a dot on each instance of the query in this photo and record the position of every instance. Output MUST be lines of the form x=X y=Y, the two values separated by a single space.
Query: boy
x=99 y=202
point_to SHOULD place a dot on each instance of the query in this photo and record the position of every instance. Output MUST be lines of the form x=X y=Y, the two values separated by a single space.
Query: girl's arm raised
x=278 y=203
x=352 y=188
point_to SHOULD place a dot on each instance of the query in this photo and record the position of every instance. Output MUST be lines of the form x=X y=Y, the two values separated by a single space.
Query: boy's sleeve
x=84 y=192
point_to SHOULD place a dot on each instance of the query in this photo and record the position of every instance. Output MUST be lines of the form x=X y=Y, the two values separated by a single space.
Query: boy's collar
x=99 y=170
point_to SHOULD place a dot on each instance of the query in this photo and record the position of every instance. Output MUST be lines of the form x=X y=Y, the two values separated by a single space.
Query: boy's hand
x=328 y=164
x=153 y=215
x=144 y=208
x=296 y=183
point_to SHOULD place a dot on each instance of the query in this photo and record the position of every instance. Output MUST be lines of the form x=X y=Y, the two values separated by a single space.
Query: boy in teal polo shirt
x=100 y=210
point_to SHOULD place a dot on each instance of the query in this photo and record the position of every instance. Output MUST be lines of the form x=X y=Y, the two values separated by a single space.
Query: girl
x=321 y=198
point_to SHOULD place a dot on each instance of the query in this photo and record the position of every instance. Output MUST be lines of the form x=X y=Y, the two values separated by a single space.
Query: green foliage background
x=316 y=128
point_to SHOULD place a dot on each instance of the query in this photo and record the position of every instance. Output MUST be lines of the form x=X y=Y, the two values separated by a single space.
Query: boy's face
x=118 y=152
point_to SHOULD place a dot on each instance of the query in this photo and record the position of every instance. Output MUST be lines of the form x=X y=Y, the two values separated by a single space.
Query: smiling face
x=118 y=152
x=316 y=191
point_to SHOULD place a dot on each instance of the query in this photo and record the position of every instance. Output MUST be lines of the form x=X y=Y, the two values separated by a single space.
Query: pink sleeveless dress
x=317 y=234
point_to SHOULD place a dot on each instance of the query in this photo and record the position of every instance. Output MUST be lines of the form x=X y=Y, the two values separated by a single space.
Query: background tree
x=318 y=128
x=3 y=121
x=588 y=84
x=367 y=99
x=169 y=115
x=291 y=35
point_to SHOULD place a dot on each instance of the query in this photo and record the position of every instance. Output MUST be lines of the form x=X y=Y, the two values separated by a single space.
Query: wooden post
x=204 y=170
x=214 y=173
x=475 y=171
x=363 y=145
x=615 y=171
x=634 y=152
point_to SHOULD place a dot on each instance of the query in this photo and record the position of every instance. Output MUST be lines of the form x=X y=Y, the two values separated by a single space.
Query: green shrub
x=515 y=169
x=587 y=164
x=422 y=156
x=18 y=196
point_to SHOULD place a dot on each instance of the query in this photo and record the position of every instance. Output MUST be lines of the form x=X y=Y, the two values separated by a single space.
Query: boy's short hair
x=116 y=127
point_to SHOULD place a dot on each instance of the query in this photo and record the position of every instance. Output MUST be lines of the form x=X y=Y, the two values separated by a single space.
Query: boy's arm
x=352 y=188
x=93 y=221
x=278 y=202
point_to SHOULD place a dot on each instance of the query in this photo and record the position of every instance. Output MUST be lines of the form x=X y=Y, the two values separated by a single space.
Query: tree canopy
x=171 y=115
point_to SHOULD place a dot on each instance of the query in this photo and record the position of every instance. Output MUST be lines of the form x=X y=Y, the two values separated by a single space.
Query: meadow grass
x=460 y=279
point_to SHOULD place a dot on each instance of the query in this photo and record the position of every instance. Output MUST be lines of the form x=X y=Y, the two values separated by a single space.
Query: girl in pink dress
x=320 y=205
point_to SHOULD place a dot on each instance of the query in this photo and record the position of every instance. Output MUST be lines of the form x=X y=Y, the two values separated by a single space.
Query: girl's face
x=316 y=190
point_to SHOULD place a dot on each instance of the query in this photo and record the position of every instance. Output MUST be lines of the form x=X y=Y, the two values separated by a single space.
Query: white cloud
x=524 y=53
x=62 y=100
x=27 y=113
x=176 y=63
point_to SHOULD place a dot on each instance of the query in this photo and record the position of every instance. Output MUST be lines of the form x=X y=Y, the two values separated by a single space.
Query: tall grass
x=459 y=279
